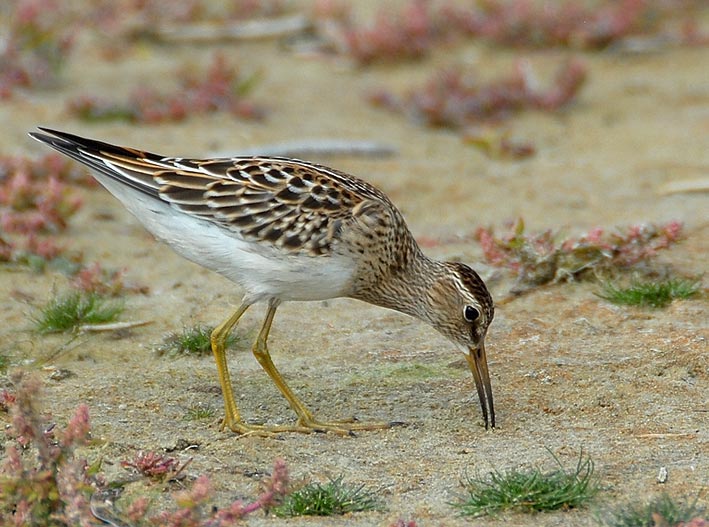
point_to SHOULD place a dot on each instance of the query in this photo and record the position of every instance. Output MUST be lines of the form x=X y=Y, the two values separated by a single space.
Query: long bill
x=478 y=366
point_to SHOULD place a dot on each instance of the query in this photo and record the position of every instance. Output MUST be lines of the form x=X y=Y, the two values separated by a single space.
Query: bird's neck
x=406 y=286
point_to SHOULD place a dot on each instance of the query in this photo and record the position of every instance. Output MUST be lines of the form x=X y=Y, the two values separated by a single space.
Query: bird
x=290 y=230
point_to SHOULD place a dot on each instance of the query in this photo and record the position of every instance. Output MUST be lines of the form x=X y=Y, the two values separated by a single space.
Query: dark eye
x=471 y=313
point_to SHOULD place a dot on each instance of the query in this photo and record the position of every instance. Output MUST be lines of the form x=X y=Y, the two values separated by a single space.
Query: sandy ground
x=570 y=372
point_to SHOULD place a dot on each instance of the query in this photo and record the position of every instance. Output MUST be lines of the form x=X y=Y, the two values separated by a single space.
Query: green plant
x=4 y=361
x=70 y=310
x=328 y=499
x=650 y=293
x=195 y=340
x=530 y=490
x=661 y=510
x=198 y=412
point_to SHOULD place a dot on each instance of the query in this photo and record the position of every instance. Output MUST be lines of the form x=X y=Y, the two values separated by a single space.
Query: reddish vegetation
x=154 y=465
x=220 y=89
x=696 y=522
x=419 y=26
x=43 y=482
x=37 y=41
x=456 y=98
x=7 y=399
x=140 y=17
x=393 y=36
x=541 y=258
x=40 y=478
x=40 y=33
x=37 y=198
x=193 y=503
x=34 y=195
x=525 y=23
x=93 y=278
x=403 y=523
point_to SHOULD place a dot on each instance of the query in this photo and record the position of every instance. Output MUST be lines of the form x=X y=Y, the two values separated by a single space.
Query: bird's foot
x=245 y=429
x=303 y=426
x=343 y=428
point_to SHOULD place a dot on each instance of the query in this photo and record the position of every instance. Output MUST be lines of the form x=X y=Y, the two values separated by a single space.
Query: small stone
x=662 y=475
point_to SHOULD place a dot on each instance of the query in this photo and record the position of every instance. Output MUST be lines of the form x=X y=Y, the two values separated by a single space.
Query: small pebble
x=662 y=475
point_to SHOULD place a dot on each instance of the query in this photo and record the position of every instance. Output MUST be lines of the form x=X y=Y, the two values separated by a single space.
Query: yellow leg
x=232 y=419
x=306 y=421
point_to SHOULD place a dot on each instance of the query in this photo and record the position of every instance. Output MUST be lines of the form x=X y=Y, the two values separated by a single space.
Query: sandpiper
x=285 y=229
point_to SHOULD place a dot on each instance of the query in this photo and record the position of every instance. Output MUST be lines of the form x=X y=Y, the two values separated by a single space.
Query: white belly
x=262 y=270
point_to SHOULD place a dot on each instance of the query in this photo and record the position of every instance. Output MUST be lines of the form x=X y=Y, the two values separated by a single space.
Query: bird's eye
x=471 y=313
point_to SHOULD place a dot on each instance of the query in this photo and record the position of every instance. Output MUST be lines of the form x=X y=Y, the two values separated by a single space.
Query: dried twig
x=318 y=148
x=257 y=29
x=688 y=435
x=115 y=326
x=684 y=186
x=103 y=507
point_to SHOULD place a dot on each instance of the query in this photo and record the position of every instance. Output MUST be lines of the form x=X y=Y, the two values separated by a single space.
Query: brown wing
x=295 y=205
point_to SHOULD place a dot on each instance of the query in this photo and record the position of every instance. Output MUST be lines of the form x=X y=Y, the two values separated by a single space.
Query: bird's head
x=464 y=310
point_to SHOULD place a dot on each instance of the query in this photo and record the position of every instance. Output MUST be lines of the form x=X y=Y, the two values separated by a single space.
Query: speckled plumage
x=286 y=229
